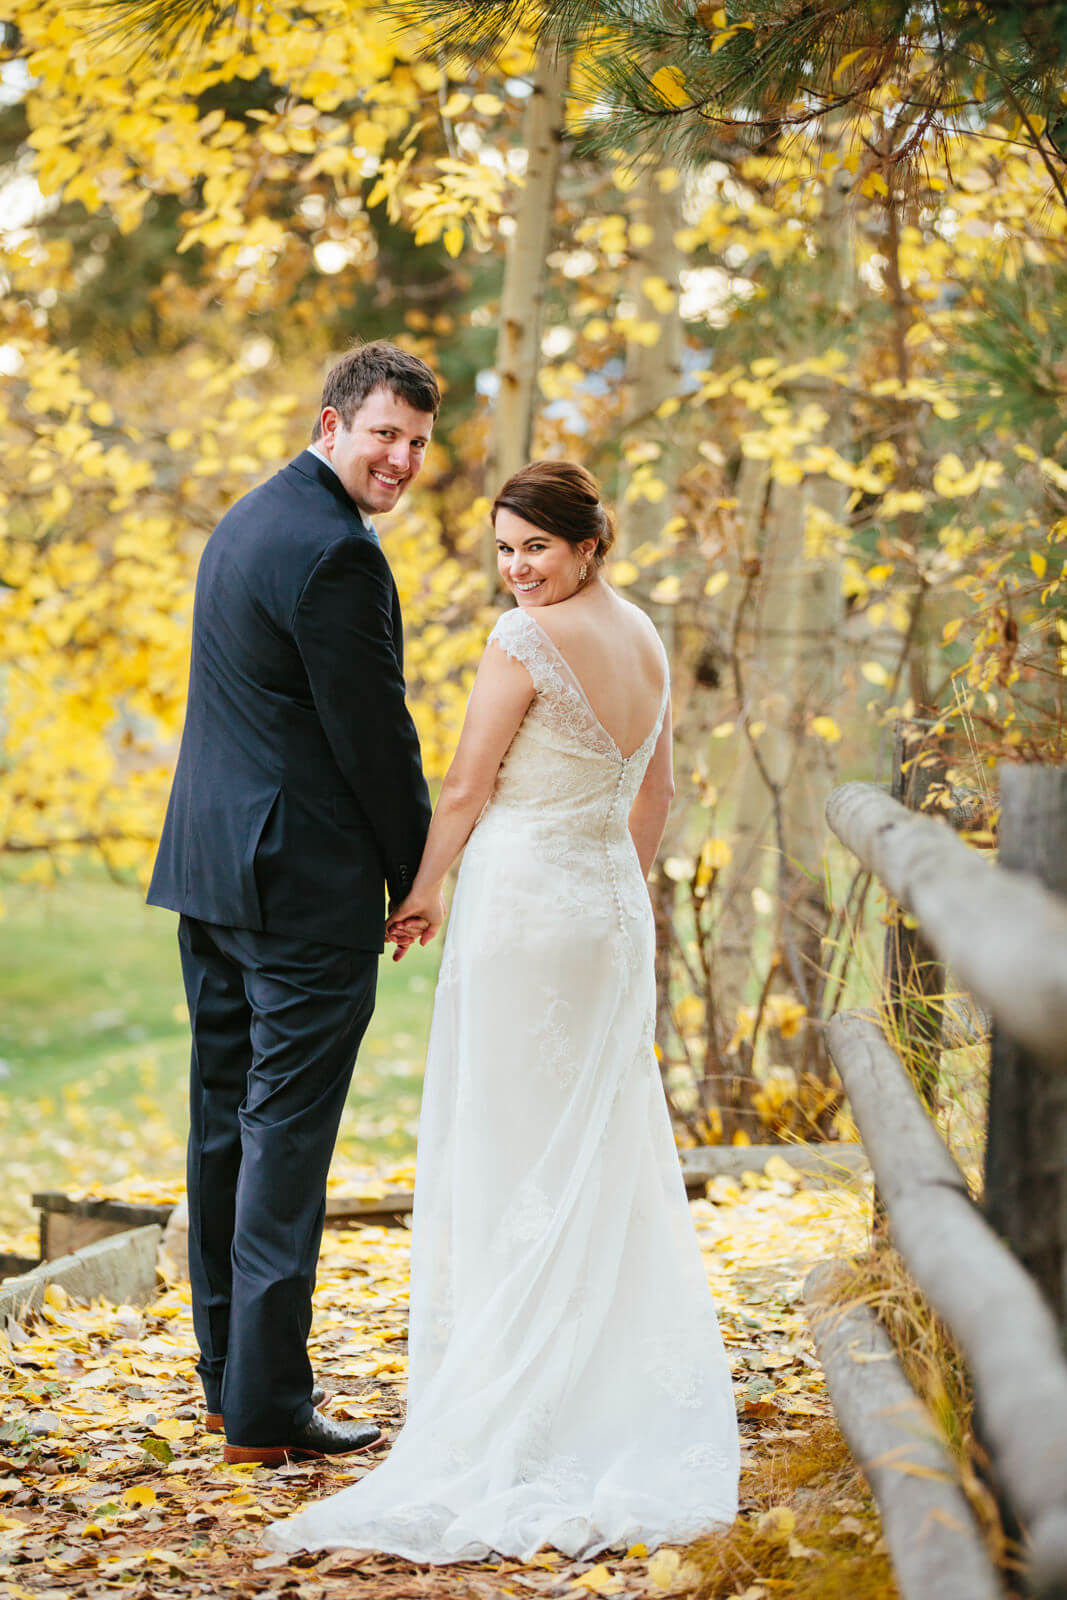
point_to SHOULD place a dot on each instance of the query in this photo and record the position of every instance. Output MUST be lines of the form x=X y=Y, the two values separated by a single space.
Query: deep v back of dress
x=625 y=691
x=567 y=1382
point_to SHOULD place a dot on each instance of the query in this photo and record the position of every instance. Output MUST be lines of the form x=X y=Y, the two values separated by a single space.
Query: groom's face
x=380 y=451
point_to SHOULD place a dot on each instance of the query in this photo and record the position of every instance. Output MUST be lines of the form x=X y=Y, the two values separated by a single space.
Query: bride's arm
x=499 y=699
x=648 y=815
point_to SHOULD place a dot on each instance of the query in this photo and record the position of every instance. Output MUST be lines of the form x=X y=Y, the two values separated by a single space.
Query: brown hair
x=378 y=365
x=562 y=498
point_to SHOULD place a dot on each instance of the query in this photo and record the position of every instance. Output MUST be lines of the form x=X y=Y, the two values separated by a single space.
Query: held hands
x=418 y=917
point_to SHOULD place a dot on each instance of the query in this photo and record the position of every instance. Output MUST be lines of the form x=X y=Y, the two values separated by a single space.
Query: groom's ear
x=326 y=427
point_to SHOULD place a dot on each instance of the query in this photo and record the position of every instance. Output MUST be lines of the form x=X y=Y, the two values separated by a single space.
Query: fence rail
x=1003 y=933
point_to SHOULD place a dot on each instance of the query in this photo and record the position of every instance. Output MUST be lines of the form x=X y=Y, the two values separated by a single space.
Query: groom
x=298 y=796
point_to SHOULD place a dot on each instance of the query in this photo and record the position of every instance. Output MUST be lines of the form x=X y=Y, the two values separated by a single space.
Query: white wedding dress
x=567 y=1382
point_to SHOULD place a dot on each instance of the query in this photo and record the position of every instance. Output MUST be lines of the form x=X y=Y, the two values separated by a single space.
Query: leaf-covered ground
x=109 y=1484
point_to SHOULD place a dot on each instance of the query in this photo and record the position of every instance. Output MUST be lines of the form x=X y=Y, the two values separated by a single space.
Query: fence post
x=1026 y=1144
x=913 y=981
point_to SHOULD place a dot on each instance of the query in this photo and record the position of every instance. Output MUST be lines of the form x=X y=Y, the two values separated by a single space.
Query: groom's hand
x=403 y=932
x=419 y=916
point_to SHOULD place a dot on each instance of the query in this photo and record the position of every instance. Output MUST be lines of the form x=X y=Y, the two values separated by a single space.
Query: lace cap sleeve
x=520 y=638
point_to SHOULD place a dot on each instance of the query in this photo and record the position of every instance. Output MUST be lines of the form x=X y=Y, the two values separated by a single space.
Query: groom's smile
x=380 y=451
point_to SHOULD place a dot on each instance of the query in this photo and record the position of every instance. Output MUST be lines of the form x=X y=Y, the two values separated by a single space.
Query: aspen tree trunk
x=653 y=372
x=801 y=762
x=791 y=674
x=752 y=811
x=518 y=355
x=810 y=654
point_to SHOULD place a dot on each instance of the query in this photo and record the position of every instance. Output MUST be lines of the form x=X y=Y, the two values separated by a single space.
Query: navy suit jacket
x=299 y=791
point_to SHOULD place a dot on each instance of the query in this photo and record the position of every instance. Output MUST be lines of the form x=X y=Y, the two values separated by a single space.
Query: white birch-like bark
x=792 y=675
x=518 y=358
x=653 y=371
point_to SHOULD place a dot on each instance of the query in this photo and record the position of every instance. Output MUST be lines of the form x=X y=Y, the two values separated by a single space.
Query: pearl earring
x=582 y=570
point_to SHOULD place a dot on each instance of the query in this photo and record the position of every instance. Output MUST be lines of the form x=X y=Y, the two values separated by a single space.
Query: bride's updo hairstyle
x=559 y=497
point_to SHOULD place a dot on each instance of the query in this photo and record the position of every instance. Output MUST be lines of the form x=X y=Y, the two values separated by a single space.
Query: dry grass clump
x=808 y=1529
x=934 y=1367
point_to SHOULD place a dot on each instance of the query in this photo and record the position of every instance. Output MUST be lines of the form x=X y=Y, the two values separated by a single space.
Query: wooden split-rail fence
x=995 y=1272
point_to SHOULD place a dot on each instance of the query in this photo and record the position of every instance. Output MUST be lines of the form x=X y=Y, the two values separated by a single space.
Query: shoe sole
x=279 y=1455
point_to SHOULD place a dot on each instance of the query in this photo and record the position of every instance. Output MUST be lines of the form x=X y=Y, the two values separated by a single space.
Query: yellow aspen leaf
x=716 y=583
x=722 y=730
x=874 y=672
x=826 y=728
x=456 y=104
x=56 y=1297
x=637 y=1552
x=669 y=84
x=659 y=292
x=487 y=105
x=951 y=629
x=1038 y=563
x=668 y=407
x=689 y=1015
x=453 y=239
x=1053 y=471
x=785 y=1014
x=667 y=591
x=173 y=1429
x=142 y=1494
x=663 y=1569
x=624 y=573
x=598 y=1580
x=714 y=855
x=780 y=1171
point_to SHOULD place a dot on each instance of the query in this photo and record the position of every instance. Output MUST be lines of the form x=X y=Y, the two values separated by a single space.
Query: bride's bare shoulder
x=643 y=629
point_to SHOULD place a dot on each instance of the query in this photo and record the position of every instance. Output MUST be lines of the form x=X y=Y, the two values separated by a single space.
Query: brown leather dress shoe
x=213 y=1419
x=320 y=1436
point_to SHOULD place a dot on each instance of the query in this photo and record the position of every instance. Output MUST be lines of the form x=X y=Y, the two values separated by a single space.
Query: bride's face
x=539 y=568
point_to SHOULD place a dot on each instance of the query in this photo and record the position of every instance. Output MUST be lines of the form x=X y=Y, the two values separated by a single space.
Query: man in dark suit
x=298 y=796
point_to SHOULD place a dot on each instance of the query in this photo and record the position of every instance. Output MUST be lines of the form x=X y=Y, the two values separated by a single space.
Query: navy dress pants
x=276 y=1023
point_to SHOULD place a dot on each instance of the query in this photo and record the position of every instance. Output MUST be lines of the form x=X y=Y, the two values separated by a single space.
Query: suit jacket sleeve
x=344 y=631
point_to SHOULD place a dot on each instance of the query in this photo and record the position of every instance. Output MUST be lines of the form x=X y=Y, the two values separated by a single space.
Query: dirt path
x=108 y=1484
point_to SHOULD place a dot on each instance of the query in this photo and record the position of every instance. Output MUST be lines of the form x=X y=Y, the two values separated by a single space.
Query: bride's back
x=615 y=655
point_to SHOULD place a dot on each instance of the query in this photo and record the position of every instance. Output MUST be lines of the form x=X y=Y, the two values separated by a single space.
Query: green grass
x=95 y=1046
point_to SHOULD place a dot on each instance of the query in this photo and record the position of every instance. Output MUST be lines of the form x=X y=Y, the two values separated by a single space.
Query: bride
x=567 y=1382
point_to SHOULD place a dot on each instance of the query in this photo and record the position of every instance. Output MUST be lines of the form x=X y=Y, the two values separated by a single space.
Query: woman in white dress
x=567 y=1381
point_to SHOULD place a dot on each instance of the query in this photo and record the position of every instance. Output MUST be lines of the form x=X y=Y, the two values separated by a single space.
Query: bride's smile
x=538 y=568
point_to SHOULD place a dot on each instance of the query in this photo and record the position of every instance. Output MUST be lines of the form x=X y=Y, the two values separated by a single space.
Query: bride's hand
x=419 y=916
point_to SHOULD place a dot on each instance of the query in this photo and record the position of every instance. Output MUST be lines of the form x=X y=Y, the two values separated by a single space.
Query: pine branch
x=164 y=28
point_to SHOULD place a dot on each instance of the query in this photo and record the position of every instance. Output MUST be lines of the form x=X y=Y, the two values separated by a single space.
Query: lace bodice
x=563 y=764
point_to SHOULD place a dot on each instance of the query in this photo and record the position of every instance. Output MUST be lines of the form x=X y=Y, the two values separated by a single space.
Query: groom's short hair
x=378 y=365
